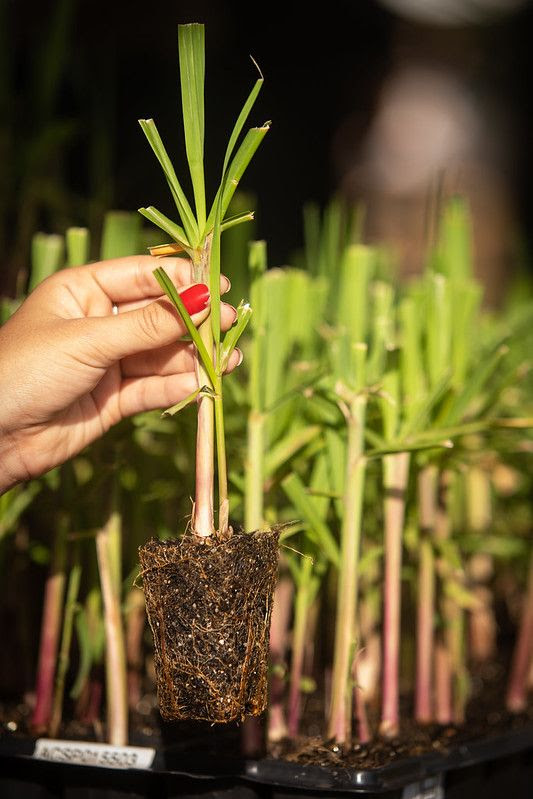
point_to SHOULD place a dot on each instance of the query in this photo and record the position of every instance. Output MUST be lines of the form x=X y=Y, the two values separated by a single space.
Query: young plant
x=213 y=666
x=199 y=236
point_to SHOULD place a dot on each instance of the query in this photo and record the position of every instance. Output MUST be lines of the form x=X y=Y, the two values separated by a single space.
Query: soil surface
x=486 y=716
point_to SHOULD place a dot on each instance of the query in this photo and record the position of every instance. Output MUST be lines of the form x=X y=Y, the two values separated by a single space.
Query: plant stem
x=522 y=656
x=135 y=622
x=427 y=499
x=482 y=622
x=396 y=474
x=117 y=700
x=339 y=723
x=443 y=654
x=363 y=727
x=66 y=640
x=281 y=612
x=222 y=469
x=443 y=684
x=301 y=610
x=50 y=629
x=254 y=468
x=203 y=519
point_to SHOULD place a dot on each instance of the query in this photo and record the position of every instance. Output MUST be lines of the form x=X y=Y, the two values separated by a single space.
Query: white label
x=83 y=753
x=430 y=788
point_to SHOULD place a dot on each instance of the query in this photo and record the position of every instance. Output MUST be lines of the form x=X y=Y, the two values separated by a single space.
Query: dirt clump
x=209 y=604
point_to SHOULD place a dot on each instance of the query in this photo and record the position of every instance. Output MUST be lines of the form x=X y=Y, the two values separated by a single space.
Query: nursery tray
x=487 y=768
x=425 y=772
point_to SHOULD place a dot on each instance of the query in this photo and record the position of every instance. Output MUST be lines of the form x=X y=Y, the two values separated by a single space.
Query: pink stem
x=279 y=631
x=427 y=494
x=50 y=632
x=396 y=474
x=518 y=683
x=443 y=685
x=134 y=638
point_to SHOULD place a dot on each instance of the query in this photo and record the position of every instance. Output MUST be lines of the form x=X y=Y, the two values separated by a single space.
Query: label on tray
x=429 y=788
x=83 y=753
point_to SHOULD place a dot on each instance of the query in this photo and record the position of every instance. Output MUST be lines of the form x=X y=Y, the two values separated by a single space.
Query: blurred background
x=393 y=104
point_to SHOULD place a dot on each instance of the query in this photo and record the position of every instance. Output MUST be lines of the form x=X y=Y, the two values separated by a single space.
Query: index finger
x=129 y=279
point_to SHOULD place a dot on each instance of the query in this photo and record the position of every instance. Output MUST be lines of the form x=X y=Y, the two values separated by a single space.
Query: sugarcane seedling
x=63 y=660
x=50 y=629
x=306 y=576
x=207 y=563
x=480 y=567
x=353 y=402
x=427 y=487
x=109 y=555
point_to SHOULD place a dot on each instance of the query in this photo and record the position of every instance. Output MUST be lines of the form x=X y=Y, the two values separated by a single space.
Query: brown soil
x=209 y=605
x=486 y=717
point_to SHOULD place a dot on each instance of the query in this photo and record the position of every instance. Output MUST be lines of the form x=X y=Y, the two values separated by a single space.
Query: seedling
x=200 y=579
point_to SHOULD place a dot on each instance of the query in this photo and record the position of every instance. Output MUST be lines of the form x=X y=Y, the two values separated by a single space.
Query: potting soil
x=209 y=604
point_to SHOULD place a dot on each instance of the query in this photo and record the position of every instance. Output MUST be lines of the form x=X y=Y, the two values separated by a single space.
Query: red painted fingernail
x=195 y=298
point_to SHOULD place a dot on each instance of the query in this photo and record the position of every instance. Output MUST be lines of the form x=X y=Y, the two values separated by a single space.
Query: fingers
x=138 y=394
x=111 y=338
x=173 y=358
x=130 y=279
x=149 y=393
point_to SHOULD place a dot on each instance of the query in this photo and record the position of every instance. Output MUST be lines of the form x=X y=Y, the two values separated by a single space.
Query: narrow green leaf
x=243 y=116
x=174 y=231
x=287 y=447
x=184 y=209
x=303 y=504
x=170 y=290
x=191 y=40
x=240 y=161
x=232 y=221
x=204 y=391
x=244 y=312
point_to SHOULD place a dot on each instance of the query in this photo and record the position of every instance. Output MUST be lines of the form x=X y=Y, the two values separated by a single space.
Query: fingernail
x=228 y=284
x=195 y=298
x=241 y=356
x=233 y=308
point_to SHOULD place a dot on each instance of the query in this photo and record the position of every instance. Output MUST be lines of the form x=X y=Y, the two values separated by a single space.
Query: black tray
x=490 y=768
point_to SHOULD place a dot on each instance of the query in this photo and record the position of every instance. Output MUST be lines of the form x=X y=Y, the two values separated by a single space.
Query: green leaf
x=174 y=231
x=204 y=391
x=303 y=504
x=244 y=312
x=287 y=447
x=13 y=504
x=85 y=658
x=239 y=163
x=170 y=290
x=184 y=209
x=232 y=221
x=191 y=40
x=461 y=596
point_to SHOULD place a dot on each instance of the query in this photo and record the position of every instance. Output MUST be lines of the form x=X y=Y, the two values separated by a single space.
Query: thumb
x=148 y=327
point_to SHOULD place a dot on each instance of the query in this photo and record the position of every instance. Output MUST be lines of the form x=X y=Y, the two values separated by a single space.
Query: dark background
x=77 y=75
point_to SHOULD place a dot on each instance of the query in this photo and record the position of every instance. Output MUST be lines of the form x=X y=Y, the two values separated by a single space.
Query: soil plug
x=209 y=607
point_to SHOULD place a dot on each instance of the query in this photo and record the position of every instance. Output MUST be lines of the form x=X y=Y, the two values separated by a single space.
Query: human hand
x=70 y=368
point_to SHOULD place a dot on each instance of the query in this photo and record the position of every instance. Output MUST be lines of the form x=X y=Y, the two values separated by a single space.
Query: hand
x=70 y=367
